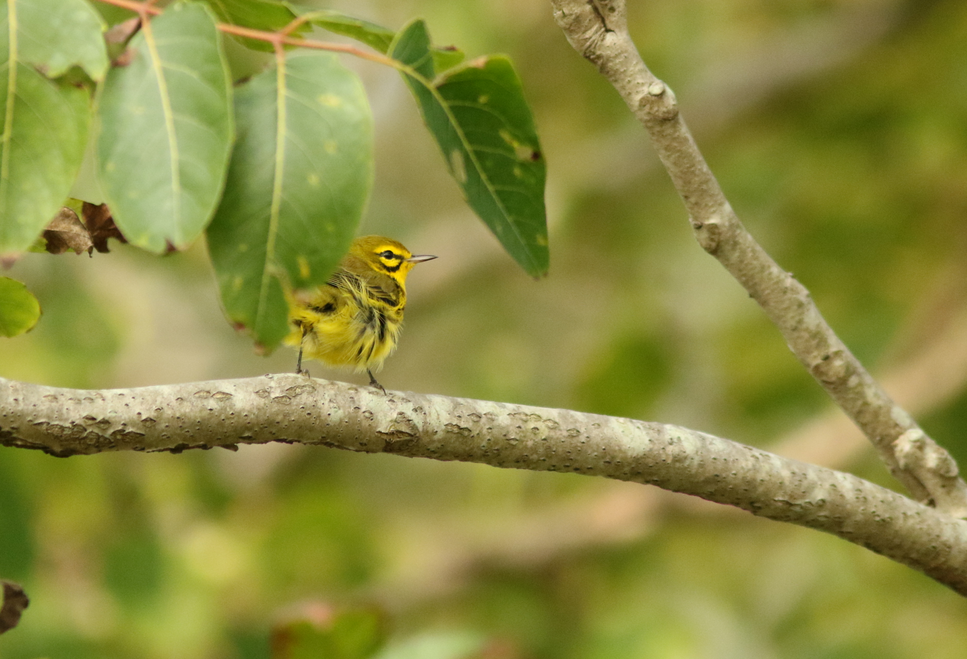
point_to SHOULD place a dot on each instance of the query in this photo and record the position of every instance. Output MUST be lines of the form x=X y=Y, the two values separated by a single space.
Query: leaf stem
x=279 y=39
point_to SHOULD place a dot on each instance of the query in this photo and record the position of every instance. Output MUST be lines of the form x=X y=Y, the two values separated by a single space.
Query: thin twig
x=278 y=39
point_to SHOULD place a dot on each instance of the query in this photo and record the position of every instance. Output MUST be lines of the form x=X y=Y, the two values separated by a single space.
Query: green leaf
x=412 y=48
x=44 y=128
x=446 y=57
x=58 y=34
x=113 y=15
x=166 y=130
x=19 y=309
x=299 y=179
x=268 y=15
x=479 y=117
x=375 y=36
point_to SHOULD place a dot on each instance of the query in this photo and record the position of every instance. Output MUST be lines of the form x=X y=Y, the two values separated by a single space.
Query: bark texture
x=292 y=408
x=598 y=30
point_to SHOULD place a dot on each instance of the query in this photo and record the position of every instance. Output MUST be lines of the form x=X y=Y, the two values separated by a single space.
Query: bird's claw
x=374 y=383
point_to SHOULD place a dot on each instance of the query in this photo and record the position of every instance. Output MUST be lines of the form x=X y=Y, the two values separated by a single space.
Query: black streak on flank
x=327 y=308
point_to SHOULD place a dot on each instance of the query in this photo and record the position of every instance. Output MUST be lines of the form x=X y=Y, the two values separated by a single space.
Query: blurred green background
x=838 y=129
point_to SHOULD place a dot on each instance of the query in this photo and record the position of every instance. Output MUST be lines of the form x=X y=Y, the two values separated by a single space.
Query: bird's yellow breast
x=348 y=323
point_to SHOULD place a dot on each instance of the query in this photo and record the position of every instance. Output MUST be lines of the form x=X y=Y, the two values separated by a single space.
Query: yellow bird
x=355 y=318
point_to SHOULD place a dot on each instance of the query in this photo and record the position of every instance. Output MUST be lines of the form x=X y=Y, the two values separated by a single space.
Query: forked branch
x=598 y=30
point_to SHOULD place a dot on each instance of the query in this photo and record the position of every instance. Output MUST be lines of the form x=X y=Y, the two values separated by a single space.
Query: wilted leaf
x=19 y=309
x=166 y=130
x=100 y=225
x=122 y=32
x=299 y=179
x=482 y=123
x=15 y=600
x=67 y=232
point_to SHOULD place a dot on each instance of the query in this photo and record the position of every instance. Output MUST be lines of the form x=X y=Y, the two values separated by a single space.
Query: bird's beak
x=420 y=258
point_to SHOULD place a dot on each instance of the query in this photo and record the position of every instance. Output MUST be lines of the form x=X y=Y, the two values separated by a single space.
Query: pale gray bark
x=598 y=30
x=292 y=408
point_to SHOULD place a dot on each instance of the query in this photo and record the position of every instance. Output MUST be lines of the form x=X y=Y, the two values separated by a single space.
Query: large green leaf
x=166 y=130
x=44 y=122
x=479 y=117
x=299 y=179
x=19 y=309
x=58 y=34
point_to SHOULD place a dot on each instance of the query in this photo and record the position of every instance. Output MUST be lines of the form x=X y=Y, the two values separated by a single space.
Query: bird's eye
x=388 y=255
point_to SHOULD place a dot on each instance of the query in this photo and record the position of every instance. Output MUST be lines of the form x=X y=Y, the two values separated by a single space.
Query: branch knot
x=708 y=233
x=659 y=101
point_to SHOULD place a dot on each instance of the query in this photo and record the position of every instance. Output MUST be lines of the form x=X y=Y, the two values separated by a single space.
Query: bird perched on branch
x=355 y=318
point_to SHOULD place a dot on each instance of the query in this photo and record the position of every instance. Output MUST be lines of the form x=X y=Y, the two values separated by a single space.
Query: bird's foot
x=374 y=383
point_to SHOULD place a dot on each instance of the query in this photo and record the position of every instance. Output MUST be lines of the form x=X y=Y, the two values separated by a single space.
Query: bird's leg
x=373 y=382
x=298 y=364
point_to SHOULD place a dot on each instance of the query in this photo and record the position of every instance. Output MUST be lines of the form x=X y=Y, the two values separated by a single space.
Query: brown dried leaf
x=122 y=32
x=15 y=600
x=101 y=225
x=124 y=58
x=67 y=232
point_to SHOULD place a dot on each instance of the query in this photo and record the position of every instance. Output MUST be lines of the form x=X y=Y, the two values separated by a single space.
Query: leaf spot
x=331 y=147
x=313 y=180
x=526 y=153
x=523 y=152
x=458 y=166
x=329 y=100
x=304 y=269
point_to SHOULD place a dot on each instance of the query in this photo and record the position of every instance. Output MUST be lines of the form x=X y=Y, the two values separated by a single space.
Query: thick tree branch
x=597 y=29
x=292 y=408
